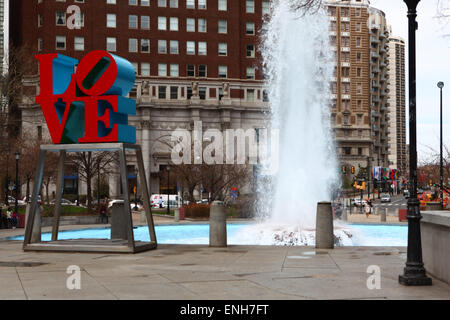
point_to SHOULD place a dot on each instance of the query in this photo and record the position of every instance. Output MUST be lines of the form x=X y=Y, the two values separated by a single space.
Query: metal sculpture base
x=89 y=245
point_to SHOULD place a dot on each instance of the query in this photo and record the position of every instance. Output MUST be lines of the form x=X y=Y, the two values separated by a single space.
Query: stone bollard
x=119 y=222
x=324 y=226
x=383 y=215
x=344 y=214
x=217 y=225
x=176 y=216
x=376 y=211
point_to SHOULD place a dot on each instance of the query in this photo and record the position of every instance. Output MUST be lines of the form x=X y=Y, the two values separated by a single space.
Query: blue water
x=364 y=235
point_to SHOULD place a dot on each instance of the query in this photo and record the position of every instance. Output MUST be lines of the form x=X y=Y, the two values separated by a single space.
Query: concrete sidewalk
x=201 y=272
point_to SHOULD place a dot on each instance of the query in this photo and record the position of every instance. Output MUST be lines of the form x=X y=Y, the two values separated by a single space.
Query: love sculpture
x=85 y=106
x=88 y=105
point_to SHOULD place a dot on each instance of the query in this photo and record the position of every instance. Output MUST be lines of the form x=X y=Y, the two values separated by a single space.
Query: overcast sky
x=433 y=65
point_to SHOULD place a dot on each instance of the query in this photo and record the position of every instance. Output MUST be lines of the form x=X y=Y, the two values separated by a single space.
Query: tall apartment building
x=397 y=105
x=195 y=60
x=3 y=37
x=358 y=33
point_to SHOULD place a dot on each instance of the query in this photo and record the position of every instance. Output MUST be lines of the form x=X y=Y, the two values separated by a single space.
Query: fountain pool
x=240 y=234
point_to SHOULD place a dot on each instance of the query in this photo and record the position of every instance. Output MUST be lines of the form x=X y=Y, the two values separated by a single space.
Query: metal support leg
x=34 y=197
x=126 y=196
x=59 y=191
x=144 y=188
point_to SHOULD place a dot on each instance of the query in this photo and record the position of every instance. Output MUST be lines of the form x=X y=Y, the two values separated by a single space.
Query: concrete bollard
x=176 y=216
x=324 y=226
x=376 y=211
x=119 y=222
x=217 y=225
x=383 y=215
x=344 y=215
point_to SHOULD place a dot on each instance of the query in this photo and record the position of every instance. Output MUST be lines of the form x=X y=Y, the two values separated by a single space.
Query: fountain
x=298 y=63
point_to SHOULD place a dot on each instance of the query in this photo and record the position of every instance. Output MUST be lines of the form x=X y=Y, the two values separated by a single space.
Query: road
x=397 y=202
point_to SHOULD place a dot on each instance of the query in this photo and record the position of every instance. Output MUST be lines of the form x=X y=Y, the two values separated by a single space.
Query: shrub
x=197 y=211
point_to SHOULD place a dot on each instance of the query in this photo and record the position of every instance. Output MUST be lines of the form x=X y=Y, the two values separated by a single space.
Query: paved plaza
x=201 y=272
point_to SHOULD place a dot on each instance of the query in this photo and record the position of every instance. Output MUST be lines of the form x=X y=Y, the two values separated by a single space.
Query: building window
x=358 y=26
x=174 y=70
x=111 y=1
x=111 y=20
x=190 y=25
x=132 y=2
x=40 y=20
x=250 y=6
x=223 y=72
x=132 y=22
x=173 y=24
x=145 y=3
x=359 y=120
x=40 y=44
x=162 y=70
x=190 y=4
x=344 y=12
x=250 y=95
x=145 y=22
x=162 y=92
x=358 y=12
x=345 y=26
x=359 y=103
x=190 y=47
x=222 y=5
x=358 y=72
x=190 y=70
x=345 y=41
x=39 y=132
x=145 y=45
x=78 y=43
x=162 y=23
x=145 y=69
x=222 y=49
x=173 y=93
x=202 y=70
x=188 y=93
x=162 y=46
x=358 y=56
x=173 y=3
x=202 y=93
x=265 y=96
x=222 y=26
x=250 y=73
x=250 y=51
x=202 y=48
x=249 y=28
x=132 y=45
x=358 y=88
x=60 y=18
x=173 y=46
x=201 y=4
x=60 y=42
x=358 y=42
x=111 y=44
x=265 y=7
x=345 y=72
x=162 y=3
x=201 y=25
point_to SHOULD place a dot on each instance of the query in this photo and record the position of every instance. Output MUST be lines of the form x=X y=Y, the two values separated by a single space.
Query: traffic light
x=431 y=182
x=353 y=169
x=344 y=169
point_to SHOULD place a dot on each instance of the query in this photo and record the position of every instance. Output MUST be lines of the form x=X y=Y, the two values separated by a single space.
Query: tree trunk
x=89 y=191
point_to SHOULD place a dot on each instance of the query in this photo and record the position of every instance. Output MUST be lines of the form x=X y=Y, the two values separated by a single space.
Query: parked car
x=64 y=202
x=112 y=201
x=385 y=197
x=12 y=201
x=406 y=193
x=358 y=202
x=29 y=198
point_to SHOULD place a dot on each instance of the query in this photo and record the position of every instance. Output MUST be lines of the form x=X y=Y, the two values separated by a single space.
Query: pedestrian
x=367 y=209
x=103 y=208
x=14 y=219
x=9 y=217
x=160 y=202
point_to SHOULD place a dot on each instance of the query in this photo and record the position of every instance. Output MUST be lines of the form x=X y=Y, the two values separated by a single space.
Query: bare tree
x=88 y=165
x=443 y=15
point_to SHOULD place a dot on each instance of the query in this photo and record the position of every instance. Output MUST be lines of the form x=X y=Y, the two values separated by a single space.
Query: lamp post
x=7 y=178
x=17 y=154
x=368 y=176
x=414 y=273
x=440 y=86
x=168 y=181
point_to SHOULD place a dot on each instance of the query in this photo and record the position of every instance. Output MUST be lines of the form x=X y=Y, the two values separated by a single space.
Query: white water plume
x=298 y=63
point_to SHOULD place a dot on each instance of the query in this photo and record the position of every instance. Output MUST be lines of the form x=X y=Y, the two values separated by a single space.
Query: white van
x=173 y=198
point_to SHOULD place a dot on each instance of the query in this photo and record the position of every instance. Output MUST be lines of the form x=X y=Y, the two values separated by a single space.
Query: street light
x=168 y=181
x=17 y=154
x=414 y=273
x=440 y=86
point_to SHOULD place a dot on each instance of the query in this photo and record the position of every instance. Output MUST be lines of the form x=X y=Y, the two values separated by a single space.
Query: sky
x=432 y=66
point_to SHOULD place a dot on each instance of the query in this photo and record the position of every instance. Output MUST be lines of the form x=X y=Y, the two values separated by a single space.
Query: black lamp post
x=17 y=154
x=414 y=273
x=7 y=178
x=168 y=182
x=440 y=86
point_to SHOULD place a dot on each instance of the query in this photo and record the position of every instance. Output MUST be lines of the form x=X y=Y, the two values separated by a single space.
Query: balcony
x=345 y=64
x=345 y=79
x=333 y=18
x=374 y=54
x=345 y=19
x=345 y=49
x=345 y=34
x=374 y=39
x=345 y=96
x=375 y=128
